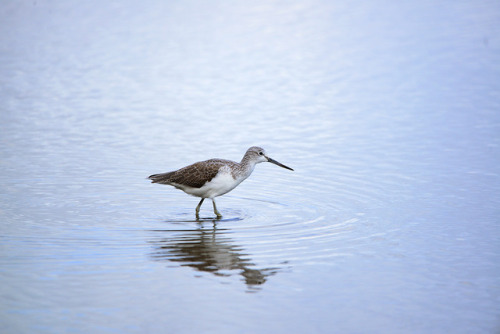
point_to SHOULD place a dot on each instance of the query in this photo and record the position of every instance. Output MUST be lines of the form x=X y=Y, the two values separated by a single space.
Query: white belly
x=219 y=185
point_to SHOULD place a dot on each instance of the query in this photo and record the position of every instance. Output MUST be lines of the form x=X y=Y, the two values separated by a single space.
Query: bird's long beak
x=277 y=163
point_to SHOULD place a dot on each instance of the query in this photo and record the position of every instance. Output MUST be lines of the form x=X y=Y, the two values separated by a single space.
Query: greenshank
x=214 y=177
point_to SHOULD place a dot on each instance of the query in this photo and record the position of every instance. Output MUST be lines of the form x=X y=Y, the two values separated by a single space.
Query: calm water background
x=389 y=112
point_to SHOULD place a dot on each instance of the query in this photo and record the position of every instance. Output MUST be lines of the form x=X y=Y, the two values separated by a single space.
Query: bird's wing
x=195 y=175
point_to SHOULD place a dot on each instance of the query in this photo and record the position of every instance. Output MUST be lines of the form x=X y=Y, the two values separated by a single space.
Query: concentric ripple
x=295 y=220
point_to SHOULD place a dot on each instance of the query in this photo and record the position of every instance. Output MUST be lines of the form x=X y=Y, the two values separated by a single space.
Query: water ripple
x=260 y=238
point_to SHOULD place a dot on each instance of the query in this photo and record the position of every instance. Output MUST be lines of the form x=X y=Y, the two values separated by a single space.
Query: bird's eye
x=260 y=153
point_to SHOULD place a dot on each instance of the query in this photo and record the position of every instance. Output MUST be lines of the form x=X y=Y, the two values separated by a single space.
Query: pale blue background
x=388 y=111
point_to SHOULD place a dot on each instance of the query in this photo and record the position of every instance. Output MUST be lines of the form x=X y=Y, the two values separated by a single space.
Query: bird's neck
x=246 y=166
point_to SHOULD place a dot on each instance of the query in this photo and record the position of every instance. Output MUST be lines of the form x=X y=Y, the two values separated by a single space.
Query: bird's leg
x=198 y=207
x=217 y=213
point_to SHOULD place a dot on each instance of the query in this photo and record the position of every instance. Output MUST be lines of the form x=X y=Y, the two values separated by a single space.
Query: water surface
x=388 y=113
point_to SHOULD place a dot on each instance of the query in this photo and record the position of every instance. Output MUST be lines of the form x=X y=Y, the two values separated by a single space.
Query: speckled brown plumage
x=195 y=175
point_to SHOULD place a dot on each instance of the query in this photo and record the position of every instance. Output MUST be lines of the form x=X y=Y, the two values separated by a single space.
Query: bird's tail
x=161 y=178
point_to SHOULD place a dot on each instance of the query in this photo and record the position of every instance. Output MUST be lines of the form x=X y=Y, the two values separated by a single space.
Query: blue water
x=388 y=113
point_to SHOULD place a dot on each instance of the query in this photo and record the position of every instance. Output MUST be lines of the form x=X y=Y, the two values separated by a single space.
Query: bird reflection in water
x=209 y=250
